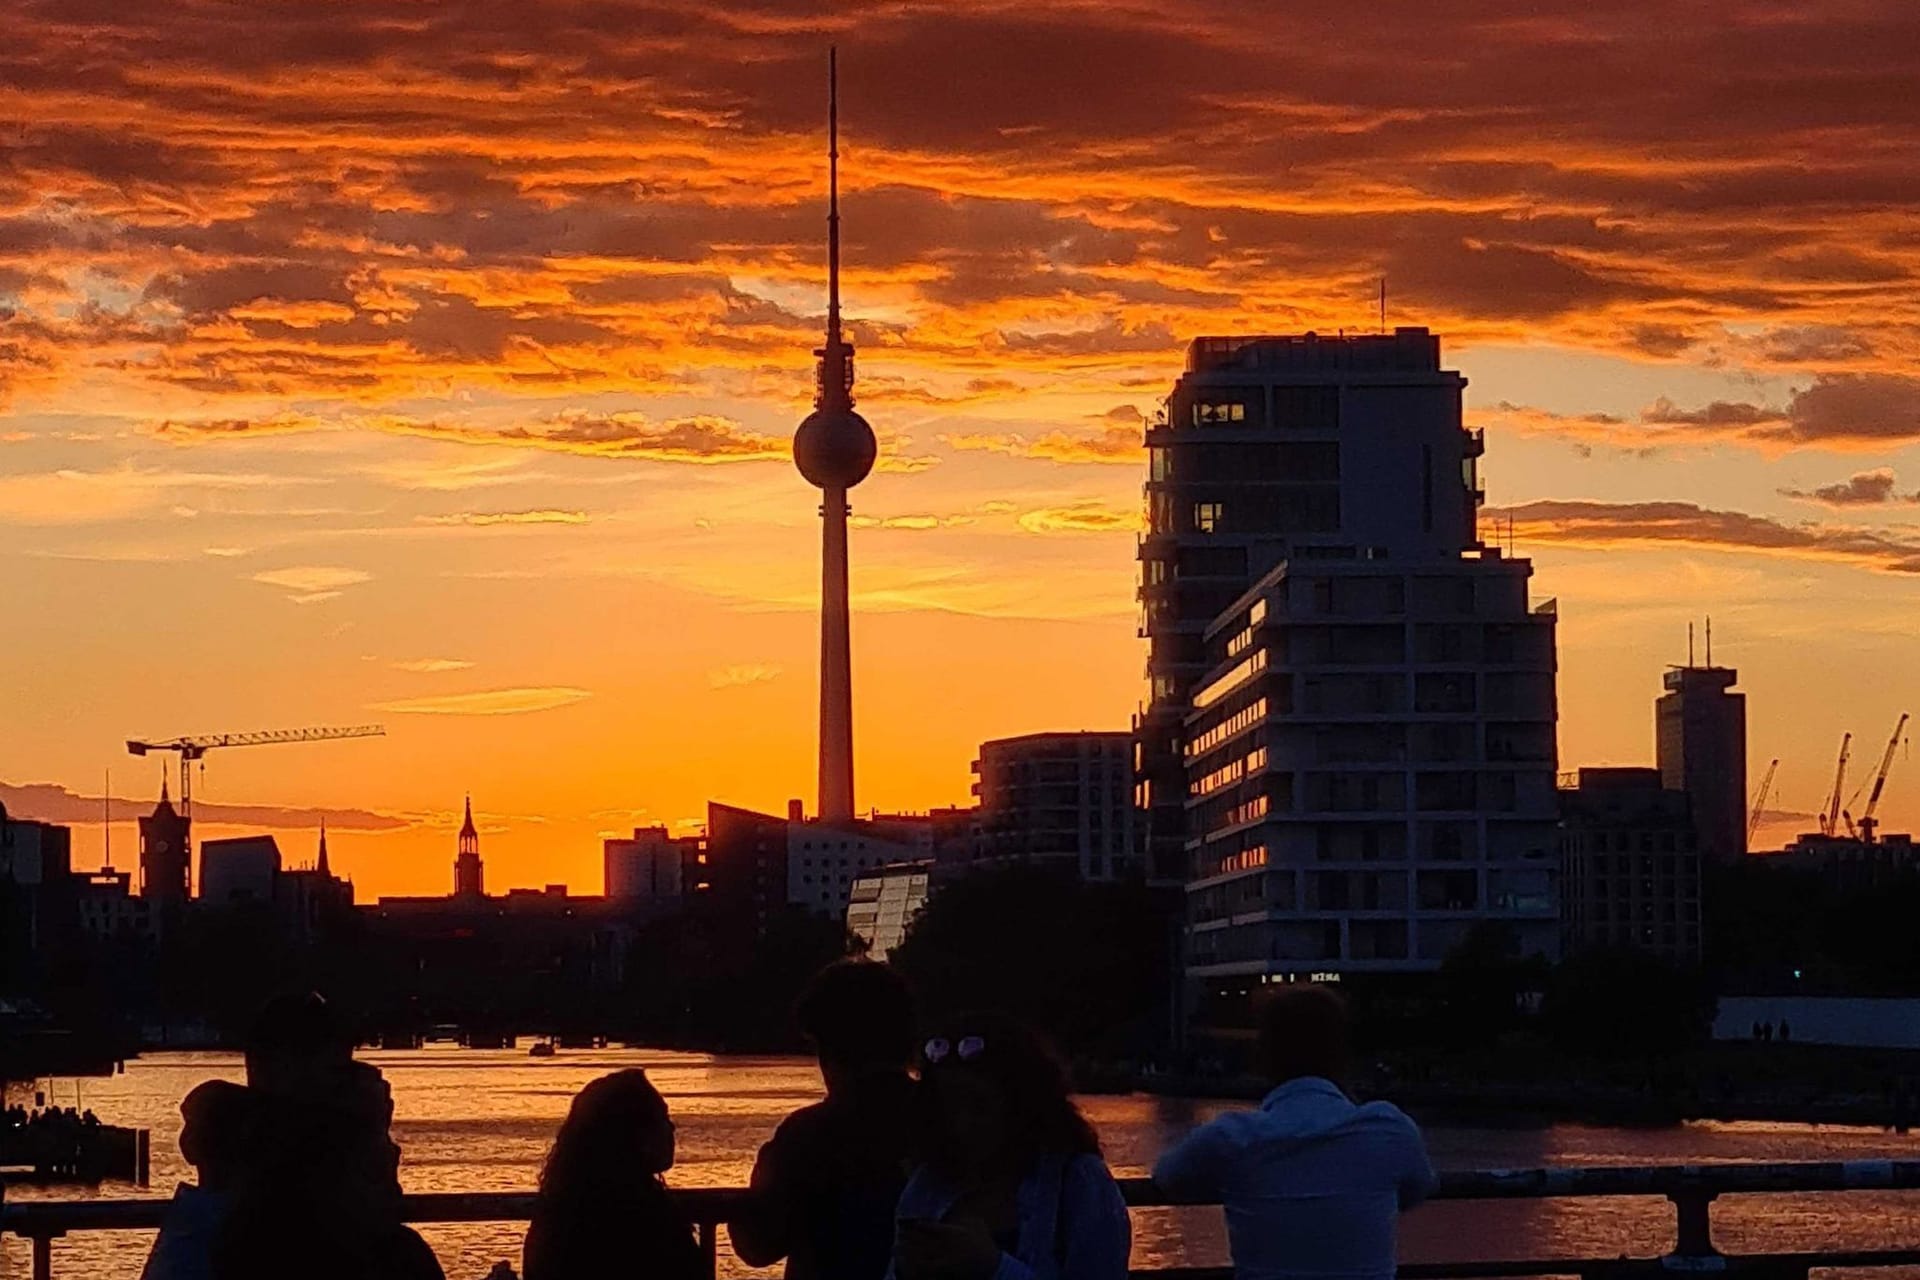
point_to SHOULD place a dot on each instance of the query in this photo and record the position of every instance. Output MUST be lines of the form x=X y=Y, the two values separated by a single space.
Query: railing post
x=1693 y=1234
x=710 y=1248
x=43 y=1257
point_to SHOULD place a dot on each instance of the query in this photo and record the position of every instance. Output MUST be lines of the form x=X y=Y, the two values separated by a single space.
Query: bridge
x=1691 y=1189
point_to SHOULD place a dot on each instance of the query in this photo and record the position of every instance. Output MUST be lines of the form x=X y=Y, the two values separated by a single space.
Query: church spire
x=322 y=864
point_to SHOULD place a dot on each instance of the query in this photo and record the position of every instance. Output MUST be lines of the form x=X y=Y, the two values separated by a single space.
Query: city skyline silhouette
x=446 y=376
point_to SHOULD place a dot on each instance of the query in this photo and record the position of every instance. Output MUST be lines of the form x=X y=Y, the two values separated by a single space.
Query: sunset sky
x=434 y=364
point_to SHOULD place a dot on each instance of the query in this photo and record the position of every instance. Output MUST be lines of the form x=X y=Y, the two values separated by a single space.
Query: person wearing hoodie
x=1312 y=1183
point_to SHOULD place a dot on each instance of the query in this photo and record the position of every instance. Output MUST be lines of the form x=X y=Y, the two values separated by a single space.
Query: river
x=471 y=1120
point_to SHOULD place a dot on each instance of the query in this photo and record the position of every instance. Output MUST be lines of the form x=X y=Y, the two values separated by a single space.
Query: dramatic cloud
x=484 y=519
x=489 y=702
x=1613 y=524
x=699 y=439
x=45 y=802
x=734 y=677
x=1082 y=517
x=1861 y=489
x=1120 y=443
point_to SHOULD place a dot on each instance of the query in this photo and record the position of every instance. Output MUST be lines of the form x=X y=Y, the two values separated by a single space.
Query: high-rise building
x=1361 y=736
x=1630 y=865
x=166 y=851
x=1371 y=770
x=1273 y=448
x=834 y=449
x=1700 y=727
x=1058 y=799
x=469 y=874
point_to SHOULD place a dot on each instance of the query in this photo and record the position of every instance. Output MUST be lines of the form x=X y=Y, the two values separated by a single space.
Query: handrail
x=1691 y=1188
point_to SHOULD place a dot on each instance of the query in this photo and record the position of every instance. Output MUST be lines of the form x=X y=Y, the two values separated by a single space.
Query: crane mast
x=1830 y=819
x=195 y=747
x=1760 y=802
x=1868 y=824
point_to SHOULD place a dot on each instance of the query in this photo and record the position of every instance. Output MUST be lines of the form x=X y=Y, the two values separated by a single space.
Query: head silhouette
x=859 y=1016
x=616 y=1132
x=295 y=1042
x=216 y=1132
x=1303 y=1031
x=994 y=1097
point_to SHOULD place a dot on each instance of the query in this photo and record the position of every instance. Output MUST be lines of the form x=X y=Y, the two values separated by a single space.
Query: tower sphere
x=834 y=448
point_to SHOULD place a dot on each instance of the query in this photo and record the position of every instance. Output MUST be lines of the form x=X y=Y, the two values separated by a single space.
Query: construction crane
x=1759 y=802
x=191 y=749
x=1830 y=817
x=1867 y=822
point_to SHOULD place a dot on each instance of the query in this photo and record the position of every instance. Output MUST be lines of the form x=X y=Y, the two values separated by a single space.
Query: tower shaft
x=836 y=663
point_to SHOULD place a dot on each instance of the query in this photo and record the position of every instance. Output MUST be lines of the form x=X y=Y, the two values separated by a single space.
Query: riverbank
x=1527 y=1085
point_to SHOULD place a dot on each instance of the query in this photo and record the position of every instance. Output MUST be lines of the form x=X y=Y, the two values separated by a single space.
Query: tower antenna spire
x=833 y=195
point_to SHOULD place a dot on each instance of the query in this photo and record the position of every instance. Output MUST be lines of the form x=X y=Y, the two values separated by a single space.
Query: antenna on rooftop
x=1383 y=302
x=1709 y=640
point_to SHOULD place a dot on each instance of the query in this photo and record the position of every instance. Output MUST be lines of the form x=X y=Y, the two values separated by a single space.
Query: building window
x=1213 y=414
x=1160 y=463
x=1207 y=516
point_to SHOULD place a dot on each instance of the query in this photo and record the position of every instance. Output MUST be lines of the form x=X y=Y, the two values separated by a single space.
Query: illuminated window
x=1207 y=516
x=1207 y=414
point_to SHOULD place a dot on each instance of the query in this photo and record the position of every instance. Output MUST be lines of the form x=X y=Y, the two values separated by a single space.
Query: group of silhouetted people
x=950 y=1153
x=54 y=1140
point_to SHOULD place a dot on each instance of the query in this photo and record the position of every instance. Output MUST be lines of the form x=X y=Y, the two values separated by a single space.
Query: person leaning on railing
x=824 y=1187
x=1010 y=1184
x=1312 y=1183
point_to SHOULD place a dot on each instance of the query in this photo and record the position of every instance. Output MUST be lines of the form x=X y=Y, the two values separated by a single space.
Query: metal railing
x=1691 y=1189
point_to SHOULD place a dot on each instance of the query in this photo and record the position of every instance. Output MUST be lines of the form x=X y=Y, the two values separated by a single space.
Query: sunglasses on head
x=939 y=1049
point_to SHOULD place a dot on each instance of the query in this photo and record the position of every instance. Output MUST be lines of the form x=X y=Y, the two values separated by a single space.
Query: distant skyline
x=438 y=366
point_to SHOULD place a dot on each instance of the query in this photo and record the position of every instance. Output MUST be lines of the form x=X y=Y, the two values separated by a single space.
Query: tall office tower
x=166 y=852
x=1277 y=448
x=1062 y=800
x=1700 y=726
x=468 y=873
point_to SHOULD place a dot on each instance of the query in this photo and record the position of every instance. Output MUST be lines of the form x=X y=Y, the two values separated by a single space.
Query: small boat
x=541 y=1049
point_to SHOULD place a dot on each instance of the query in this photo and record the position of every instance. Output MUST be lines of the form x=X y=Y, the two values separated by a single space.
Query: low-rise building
x=1630 y=864
x=238 y=871
x=825 y=859
x=884 y=901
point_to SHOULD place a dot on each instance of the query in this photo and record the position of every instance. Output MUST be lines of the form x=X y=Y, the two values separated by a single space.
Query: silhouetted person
x=826 y=1184
x=1312 y=1184
x=603 y=1212
x=1010 y=1184
x=1786 y=1030
x=321 y=1192
x=215 y=1137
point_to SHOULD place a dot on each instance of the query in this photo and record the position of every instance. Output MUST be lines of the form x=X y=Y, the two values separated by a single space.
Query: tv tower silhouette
x=834 y=449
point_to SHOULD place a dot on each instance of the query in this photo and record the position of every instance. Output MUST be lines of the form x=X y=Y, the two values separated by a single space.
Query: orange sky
x=435 y=365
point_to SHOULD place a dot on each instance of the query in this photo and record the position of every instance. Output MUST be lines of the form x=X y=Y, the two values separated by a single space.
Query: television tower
x=834 y=449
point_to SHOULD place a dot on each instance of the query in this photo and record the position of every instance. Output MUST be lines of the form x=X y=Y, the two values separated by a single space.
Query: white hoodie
x=1312 y=1183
